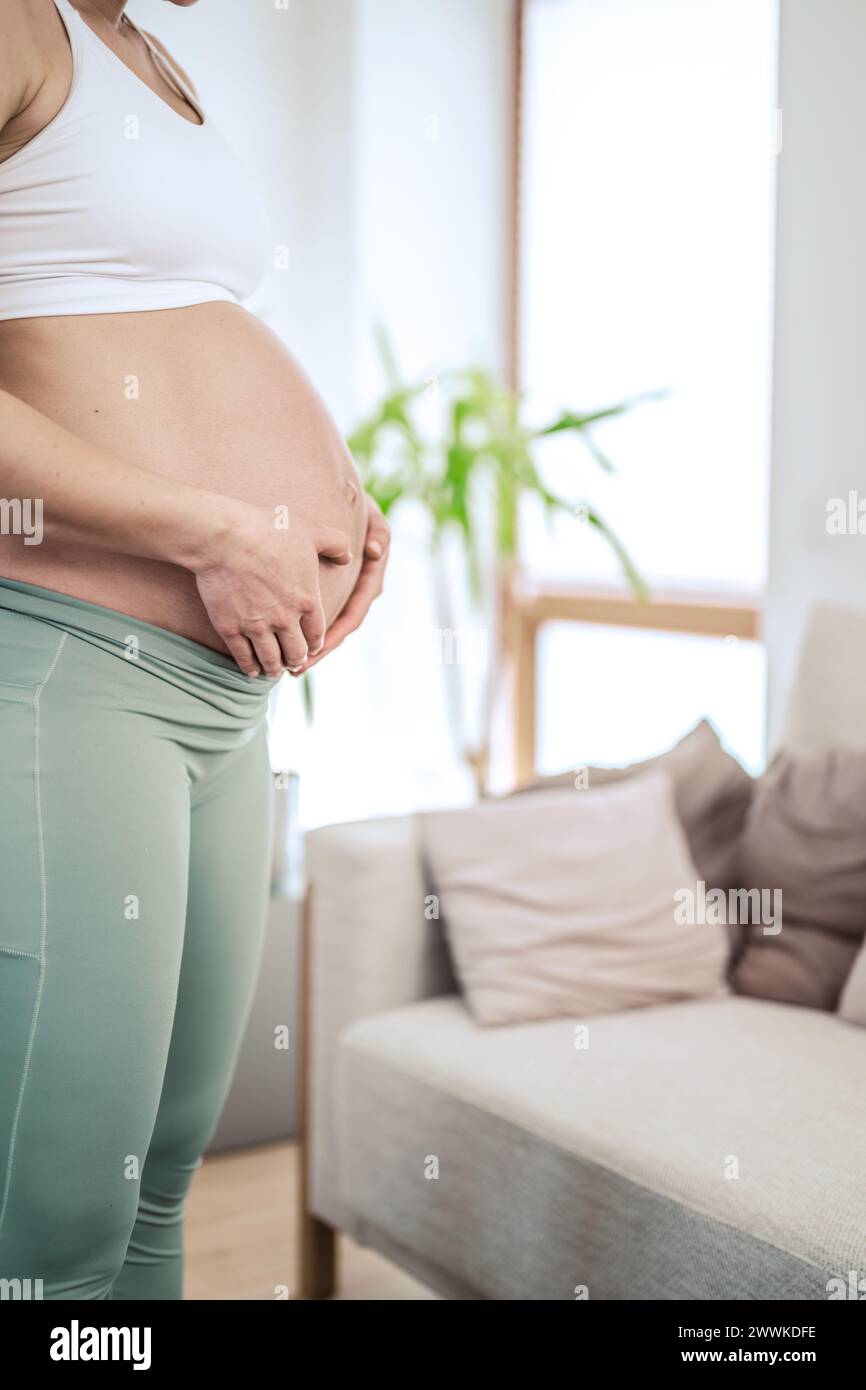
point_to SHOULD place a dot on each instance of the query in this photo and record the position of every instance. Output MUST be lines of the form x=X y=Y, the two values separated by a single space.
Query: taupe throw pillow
x=806 y=836
x=712 y=793
x=559 y=904
x=852 y=1005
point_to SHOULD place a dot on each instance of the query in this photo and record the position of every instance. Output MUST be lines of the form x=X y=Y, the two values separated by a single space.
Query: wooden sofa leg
x=317 y=1258
x=317 y=1240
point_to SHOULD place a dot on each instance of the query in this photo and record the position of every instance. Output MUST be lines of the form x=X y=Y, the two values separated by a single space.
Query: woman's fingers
x=242 y=651
x=268 y=653
x=313 y=627
x=293 y=644
x=368 y=587
x=333 y=544
x=277 y=579
x=378 y=537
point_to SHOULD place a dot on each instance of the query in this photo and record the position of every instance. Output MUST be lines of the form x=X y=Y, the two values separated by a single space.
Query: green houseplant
x=469 y=474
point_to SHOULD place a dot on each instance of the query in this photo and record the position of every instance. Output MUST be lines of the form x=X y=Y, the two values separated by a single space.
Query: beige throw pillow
x=712 y=789
x=567 y=905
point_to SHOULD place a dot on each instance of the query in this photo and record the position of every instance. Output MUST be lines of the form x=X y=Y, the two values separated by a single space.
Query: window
x=611 y=695
x=649 y=147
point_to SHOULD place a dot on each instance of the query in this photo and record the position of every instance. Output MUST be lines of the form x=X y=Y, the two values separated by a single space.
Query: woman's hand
x=369 y=586
x=260 y=586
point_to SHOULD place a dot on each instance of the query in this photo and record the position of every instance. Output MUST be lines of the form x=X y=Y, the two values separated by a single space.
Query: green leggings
x=135 y=831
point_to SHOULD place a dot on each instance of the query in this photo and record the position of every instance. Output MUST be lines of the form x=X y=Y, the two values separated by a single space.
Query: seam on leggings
x=43 y=927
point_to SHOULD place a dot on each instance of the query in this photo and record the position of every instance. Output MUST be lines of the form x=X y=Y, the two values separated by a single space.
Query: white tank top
x=121 y=204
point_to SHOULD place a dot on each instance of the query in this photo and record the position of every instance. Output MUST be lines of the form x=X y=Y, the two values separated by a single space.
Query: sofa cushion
x=712 y=791
x=805 y=837
x=712 y=1149
x=559 y=904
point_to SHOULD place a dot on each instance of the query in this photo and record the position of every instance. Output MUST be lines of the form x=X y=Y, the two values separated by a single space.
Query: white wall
x=819 y=449
x=433 y=155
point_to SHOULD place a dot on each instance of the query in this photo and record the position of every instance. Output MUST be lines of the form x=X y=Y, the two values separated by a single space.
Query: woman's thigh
x=229 y=885
x=229 y=882
x=94 y=848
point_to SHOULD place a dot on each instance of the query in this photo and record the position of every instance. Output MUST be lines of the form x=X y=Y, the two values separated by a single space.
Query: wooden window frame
x=691 y=612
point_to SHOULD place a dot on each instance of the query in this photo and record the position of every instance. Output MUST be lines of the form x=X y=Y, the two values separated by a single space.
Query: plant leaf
x=308 y=697
x=627 y=565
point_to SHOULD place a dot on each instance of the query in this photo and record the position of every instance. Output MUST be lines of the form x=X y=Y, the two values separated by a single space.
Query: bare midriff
x=206 y=395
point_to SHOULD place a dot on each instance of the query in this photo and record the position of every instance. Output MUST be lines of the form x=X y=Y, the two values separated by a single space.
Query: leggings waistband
x=178 y=659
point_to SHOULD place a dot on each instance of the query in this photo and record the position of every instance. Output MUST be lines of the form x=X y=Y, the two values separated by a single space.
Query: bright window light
x=614 y=695
x=650 y=143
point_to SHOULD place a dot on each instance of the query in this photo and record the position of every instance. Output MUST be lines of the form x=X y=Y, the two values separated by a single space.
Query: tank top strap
x=82 y=38
x=73 y=24
x=169 y=70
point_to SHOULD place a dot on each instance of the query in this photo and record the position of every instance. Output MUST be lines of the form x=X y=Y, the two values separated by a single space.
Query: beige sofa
x=711 y=1149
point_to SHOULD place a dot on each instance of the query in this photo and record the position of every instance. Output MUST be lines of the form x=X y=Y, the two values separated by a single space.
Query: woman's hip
x=123 y=750
x=106 y=662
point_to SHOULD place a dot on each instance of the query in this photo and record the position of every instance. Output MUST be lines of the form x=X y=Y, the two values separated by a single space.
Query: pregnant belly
x=206 y=395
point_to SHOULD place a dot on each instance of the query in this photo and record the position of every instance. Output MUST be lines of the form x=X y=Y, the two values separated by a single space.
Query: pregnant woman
x=179 y=522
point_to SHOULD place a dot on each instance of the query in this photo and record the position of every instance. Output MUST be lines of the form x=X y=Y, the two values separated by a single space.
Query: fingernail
x=375 y=549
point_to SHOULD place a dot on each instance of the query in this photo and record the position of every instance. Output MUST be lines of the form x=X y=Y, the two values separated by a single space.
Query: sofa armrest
x=369 y=948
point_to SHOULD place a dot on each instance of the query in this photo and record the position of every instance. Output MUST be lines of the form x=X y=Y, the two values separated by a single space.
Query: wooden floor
x=240 y=1234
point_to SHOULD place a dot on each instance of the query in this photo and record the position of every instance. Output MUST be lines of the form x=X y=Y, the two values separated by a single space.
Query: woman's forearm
x=258 y=581
x=97 y=499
